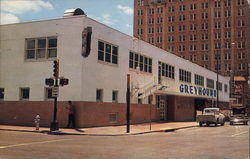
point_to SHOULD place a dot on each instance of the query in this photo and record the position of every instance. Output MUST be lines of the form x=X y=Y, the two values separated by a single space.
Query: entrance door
x=163 y=108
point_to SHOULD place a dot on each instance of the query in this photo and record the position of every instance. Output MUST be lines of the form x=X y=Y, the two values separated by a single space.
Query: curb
x=86 y=134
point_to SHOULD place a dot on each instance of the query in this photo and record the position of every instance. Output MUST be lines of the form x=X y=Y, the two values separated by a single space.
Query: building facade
x=163 y=86
x=212 y=33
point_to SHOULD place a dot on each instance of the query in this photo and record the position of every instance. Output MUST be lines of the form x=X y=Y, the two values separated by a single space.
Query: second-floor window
x=41 y=48
x=184 y=76
x=144 y=63
x=199 y=80
x=107 y=52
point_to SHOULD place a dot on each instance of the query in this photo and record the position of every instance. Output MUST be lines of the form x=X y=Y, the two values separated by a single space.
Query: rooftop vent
x=73 y=12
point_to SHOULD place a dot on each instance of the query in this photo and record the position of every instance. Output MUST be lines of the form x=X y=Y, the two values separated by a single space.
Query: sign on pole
x=55 y=91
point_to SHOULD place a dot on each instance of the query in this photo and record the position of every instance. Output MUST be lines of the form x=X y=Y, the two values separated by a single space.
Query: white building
x=98 y=82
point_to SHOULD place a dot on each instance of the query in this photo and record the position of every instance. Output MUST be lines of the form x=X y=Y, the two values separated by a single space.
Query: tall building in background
x=212 y=33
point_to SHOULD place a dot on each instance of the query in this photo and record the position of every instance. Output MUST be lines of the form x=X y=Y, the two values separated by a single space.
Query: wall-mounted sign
x=189 y=89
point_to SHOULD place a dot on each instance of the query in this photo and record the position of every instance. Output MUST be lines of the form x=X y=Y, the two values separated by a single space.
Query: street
x=222 y=142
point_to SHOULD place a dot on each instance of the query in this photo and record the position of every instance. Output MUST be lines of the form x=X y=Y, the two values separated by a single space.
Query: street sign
x=55 y=91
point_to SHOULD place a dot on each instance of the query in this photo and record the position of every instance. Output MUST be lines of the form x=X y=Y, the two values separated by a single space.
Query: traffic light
x=49 y=81
x=56 y=68
x=64 y=81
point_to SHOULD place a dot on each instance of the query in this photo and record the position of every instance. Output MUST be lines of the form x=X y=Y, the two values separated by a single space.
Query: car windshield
x=238 y=111
x=210 y=110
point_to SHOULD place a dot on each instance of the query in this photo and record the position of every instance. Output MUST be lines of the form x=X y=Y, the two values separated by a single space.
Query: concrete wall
x=88 y=114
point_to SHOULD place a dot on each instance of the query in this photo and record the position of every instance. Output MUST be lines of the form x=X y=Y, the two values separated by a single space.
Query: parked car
x=211 y=116
x=239 y=115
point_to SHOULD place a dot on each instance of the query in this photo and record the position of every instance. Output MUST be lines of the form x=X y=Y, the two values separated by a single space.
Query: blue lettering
x=186 y=89
x=191 y=89
x=200 y=91
x=207 y=92
x=181 y=88
x=195 y=90
x=204 y=91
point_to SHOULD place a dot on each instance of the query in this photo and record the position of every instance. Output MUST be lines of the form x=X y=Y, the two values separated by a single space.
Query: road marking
x=33 y=143
x=239 y=133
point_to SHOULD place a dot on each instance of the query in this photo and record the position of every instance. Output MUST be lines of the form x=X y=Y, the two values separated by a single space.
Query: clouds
x=11 y=9
x=125 y=9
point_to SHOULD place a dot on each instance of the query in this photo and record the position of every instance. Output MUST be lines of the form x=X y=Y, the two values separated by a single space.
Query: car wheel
x=200 y=124
x=217 y=122
x=223 y=123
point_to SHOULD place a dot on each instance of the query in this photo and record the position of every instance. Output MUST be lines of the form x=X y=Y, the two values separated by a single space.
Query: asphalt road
x=223 y=142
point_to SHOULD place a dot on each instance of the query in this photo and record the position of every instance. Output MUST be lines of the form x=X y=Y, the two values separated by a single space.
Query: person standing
x=71 y=119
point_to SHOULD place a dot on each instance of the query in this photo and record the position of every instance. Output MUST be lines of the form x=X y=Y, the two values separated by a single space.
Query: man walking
x=71 y=119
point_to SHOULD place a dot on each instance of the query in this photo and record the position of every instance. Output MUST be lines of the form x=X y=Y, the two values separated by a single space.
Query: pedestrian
x=71 y=119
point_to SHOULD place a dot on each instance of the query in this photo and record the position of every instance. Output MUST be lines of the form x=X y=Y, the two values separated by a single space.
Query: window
x=204 y=47
x=24 y=93
x=170 y=28
x=171 y=8
x=204 y=36
x=217 y=25
x=204 y=5
x=114 y=96
x=227 y=13
x=99 y=95
x=227 y=3
x=192 y=27
x=227 y=24
x=227 y=56
x=240 y=12
x=166 y=70
x=144 y=63
x=41 y=48
x=182 y=7
x=107 y=52
x=140 y=21
x=182 y=27
x=225 y=88
x=227 y=67
x=192 y=17
x=241 y=23
x=182 y=38
x=1 y=93
x=151 y=20
x=193 y=6
x=241 y=66
x=227 y=35
x=192 y=58
x=204 y=15
x=140 y=2
x=192 y=47
x=151 y=10
x=182 y=18
x=170 y=38
x=241 y=45
x=241 y=55
x=217 y=14
x=171 y=19
x=48 y=94
x=198 y=80
x=241 y=34
x=219 y=86
x=140 y=12
x=210 y=83
x=204 y=57
x=184 y=76
x=204 y=26
x=182 y=48
x=240 y=2
x=193 y=37
x=217 y=4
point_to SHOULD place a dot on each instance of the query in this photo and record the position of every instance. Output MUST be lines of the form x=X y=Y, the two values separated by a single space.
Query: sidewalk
x=108 y=130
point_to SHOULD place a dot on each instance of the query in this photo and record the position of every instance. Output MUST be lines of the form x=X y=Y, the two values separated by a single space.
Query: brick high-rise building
x=200 y=31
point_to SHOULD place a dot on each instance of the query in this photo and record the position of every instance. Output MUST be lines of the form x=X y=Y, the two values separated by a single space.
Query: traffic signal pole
x=54 y=124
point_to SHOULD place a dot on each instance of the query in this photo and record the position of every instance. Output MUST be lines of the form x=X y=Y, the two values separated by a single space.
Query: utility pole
x=128 y=103
x=217 y=79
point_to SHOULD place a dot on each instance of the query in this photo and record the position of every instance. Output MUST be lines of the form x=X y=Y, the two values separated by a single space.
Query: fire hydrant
x=37 y=121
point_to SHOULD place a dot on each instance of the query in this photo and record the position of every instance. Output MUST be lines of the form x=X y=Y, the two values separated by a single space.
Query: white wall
x=85 y=74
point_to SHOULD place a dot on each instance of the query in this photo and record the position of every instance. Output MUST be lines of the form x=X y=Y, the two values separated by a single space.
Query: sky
x=117 y=14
